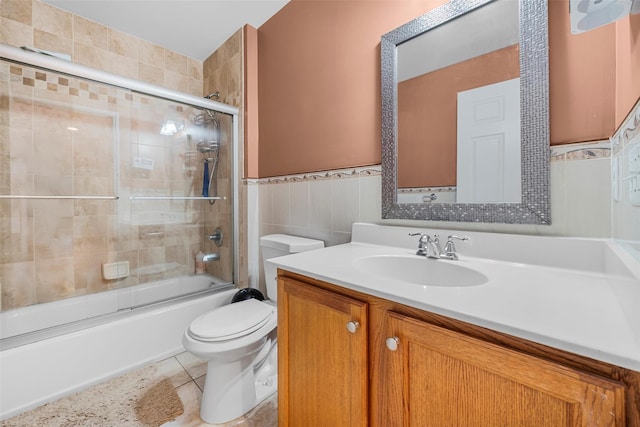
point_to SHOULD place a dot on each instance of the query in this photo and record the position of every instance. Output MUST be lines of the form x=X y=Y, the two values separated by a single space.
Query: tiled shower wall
x=63 y=136
x=38 y=24
x=222 y=74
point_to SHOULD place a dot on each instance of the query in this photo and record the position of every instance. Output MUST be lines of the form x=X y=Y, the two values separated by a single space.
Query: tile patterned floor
x=184 y=371
x=187 y=374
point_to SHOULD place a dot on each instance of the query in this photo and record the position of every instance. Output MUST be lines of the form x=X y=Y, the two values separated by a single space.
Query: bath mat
x=159 y=405
x=108 y=404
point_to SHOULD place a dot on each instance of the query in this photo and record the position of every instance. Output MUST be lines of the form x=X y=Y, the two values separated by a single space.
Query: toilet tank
x=275 y=245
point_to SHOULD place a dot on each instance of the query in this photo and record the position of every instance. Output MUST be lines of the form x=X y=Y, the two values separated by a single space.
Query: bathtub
x=84 y=342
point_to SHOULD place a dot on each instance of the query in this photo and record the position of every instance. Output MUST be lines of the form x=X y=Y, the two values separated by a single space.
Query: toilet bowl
x=238 y=341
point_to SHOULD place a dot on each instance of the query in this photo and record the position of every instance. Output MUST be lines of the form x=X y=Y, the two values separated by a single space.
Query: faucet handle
x=450 y=247
x=422 y=243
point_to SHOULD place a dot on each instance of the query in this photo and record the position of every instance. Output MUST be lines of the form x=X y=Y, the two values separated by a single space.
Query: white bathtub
x=42 y=366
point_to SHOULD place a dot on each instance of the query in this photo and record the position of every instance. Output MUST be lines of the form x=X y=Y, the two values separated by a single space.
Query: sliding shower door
x=101 y=189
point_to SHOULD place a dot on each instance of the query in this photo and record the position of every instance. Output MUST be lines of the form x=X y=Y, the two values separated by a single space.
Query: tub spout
x=211 y=257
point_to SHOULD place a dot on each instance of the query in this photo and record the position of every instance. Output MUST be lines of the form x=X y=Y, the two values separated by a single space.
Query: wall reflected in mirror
x=459 y=110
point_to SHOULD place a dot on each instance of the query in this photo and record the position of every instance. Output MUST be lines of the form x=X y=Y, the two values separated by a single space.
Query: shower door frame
x=14 y=54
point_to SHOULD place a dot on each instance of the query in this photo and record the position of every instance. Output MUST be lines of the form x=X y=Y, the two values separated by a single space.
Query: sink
x=419 y=270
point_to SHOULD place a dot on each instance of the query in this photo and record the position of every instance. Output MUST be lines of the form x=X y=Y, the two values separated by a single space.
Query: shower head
x=207 y=146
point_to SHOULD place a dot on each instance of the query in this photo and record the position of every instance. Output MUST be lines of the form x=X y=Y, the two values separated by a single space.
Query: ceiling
x=194 y=28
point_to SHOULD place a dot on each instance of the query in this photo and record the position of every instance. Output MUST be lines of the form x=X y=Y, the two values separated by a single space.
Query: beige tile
x=151 y=54
x=176 y=81
x=87 y=275
x=90 y=56
x=123 y=44
x=194 y=68
x=195 y=87
x=122 y=65
x=17 y=10
x=195 y=366
x=175 y=62
x=200 y=381
x=55 y=236
x=52 y=20
x=52 y=42
x=89 y=32
x=170 y=368
x=150 y=73
x=15 y=33
x=17 y=284
x=54 y=279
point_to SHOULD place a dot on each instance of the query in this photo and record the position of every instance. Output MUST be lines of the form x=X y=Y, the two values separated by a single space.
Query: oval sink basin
x=420 y=271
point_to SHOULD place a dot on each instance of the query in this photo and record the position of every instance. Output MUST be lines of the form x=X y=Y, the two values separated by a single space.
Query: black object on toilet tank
x=247 y=293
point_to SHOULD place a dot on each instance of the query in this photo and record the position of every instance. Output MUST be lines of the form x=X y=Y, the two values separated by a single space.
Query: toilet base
x=235 y=388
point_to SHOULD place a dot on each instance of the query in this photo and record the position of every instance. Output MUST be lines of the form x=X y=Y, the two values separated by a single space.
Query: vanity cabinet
x=435 y=377
x=322 y=357
x=409 y=367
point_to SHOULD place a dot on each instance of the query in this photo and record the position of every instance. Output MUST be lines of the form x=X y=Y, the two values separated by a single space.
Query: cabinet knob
x=393 y=343
x=353 y=326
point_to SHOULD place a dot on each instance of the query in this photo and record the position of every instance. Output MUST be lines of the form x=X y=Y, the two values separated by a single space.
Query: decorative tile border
x=581 y=151
x=629 y=128
x=37 y=78
x=421 y=190
x=373 y=170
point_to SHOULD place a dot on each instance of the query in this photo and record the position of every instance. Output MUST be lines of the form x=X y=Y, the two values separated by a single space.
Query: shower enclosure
x=109 y=190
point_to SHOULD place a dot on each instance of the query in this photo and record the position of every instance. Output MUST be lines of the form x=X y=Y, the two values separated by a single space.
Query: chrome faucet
x=211 y=257
x=430 y=247
x=426 y=246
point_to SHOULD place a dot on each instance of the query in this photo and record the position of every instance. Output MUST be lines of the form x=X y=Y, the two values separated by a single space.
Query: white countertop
x=590 y=313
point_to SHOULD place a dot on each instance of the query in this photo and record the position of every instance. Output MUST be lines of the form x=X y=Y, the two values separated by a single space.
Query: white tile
x=320 y=206
x=265 y=199
x=281 y=204
x=345 y=204
x=370 y=199
x=588 y=198
x=299 y=204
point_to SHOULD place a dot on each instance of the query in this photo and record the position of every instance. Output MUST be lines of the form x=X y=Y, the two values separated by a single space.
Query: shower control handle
x=353 y=326
x=217 y=236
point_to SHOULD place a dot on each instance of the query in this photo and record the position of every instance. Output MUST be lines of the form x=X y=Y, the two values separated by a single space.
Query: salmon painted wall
x=581 y=79
x=319 y=81
x=428 y=112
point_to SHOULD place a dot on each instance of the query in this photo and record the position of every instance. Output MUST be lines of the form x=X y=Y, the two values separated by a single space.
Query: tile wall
x=223 y=74
x=37 y=24
x=324 y=205
x=626 y=181
x=63 y=136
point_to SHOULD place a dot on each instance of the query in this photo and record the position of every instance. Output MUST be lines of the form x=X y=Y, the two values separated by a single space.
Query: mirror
x=437 y=163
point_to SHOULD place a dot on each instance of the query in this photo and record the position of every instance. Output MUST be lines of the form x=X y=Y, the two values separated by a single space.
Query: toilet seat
x=231 y=321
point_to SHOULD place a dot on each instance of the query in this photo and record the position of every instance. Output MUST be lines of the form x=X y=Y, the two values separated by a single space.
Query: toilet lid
x=231 y=321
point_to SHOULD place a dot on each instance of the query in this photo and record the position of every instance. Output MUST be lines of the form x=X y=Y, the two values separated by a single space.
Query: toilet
x=239 y=342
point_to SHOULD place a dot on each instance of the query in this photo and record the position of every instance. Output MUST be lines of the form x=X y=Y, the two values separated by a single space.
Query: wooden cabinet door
x=441 y=378
x=322 y=366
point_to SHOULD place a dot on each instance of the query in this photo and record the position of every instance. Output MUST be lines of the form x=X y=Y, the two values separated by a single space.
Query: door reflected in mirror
x=476 y=50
